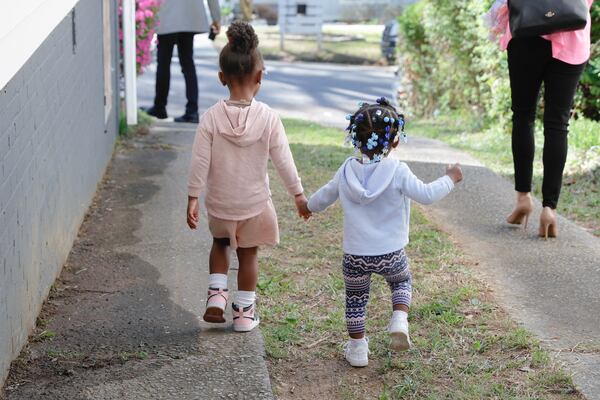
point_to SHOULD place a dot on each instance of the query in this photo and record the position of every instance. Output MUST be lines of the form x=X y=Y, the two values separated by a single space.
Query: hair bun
x=242 y=38
x=383 y=101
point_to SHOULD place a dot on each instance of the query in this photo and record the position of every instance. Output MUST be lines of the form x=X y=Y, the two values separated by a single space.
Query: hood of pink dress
x=242 y=126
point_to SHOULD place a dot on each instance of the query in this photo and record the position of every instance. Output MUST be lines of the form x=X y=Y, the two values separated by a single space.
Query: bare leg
x=401 y=307
x=218 y=261
x=248 y=273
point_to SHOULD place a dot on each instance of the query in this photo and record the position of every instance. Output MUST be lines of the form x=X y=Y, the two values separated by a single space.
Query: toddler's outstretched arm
x=326 y=195
x=428 y=193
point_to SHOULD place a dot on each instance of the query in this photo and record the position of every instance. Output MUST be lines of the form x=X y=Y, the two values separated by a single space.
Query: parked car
x=389 y=41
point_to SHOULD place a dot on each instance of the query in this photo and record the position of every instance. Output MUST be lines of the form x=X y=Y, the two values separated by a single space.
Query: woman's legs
x=527 y=61
x=560 y=83
x=163 y=69
x=185 y=51
x=358 y=284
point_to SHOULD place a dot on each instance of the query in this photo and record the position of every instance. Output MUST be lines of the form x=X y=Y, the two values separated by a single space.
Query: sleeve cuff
x=448 y=181
x=193 y=192
x=296 y=189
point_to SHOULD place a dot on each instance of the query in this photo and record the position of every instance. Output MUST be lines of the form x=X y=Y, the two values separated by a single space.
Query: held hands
x=302 y=206
x=454 y=172
x=192 y=212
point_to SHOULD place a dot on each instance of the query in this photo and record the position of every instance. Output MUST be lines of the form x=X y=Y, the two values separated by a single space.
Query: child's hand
x=454 y=172
x=302 y=206
x=192 y=212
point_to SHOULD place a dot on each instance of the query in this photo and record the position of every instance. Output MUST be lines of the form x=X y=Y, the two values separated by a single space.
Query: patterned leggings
x=357 y=276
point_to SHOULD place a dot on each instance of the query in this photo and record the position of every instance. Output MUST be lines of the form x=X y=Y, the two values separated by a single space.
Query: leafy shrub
x=588 y=96
x=449 y=63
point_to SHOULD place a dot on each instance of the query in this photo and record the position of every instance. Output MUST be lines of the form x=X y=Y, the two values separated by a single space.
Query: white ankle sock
x=217 y=281
x=244 y=298
x=358 y=343
x=400 y=315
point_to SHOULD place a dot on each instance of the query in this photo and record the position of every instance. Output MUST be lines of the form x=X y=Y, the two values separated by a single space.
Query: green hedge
x=588 y=98
x=450 y=64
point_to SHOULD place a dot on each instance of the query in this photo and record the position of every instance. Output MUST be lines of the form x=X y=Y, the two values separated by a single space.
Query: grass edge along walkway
x=465 y=345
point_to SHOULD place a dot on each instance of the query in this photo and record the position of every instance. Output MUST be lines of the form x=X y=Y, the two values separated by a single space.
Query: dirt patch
x=106 y=311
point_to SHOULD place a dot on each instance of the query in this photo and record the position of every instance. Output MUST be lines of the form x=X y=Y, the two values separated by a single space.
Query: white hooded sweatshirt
x=376 y=203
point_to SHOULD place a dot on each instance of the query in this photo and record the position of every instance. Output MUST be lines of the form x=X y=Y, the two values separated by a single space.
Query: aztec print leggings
x=357 y=277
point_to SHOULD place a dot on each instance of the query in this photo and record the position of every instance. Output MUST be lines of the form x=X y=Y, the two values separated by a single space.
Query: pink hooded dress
x=572 y=47
x=230 y=156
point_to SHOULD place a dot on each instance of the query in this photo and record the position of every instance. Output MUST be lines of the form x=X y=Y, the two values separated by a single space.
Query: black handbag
x=530 y=18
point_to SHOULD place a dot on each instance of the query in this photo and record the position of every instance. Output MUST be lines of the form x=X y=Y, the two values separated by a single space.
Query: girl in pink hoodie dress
x=234 y=142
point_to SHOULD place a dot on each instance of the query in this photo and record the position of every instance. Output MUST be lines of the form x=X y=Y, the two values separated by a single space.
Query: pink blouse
x=572 y=47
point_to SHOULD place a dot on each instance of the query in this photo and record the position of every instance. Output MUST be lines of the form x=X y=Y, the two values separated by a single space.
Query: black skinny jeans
x=530 y=63
x=185 y=51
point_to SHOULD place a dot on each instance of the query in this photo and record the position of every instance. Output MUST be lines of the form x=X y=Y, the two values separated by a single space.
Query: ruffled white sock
x=217 y=281
x=244 y=298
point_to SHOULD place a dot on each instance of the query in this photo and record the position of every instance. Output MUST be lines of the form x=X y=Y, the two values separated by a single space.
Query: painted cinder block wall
x=56 y=140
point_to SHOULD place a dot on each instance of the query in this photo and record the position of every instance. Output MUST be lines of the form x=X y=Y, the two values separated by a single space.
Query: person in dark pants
x=557 y=61
x=180 y=20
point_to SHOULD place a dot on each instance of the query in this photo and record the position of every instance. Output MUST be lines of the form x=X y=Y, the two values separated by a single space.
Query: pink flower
x=149 y=14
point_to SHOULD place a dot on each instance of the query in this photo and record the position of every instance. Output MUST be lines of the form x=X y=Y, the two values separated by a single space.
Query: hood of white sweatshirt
x=243 y=126
x=363 y=183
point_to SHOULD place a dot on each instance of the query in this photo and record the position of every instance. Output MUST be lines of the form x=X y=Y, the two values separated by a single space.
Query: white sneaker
x=357 y=352
x=398 y=329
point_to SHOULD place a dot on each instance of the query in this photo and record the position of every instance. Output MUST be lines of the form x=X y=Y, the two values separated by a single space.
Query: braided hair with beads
x=374 y=128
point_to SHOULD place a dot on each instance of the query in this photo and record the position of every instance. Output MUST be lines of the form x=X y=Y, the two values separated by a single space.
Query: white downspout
x=129 y=55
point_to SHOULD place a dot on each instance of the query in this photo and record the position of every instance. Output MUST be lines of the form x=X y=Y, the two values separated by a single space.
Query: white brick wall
x=54 y=147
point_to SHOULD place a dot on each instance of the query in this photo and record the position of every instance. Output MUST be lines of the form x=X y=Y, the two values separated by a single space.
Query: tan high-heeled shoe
x=548 y=223
x=520 y=214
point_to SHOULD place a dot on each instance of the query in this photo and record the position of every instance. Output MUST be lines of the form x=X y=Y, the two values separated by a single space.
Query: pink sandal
x=215 y=305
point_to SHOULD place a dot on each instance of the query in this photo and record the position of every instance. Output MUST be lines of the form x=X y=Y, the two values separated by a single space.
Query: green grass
x=580 y=197
x=465 y=346
x=141 y=128
x=337 y=46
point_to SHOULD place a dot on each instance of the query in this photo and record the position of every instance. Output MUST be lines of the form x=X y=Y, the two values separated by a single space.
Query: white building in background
x=354 y=10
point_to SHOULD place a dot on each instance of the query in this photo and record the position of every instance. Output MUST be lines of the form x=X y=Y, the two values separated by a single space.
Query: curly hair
x=240 y=56
x=373 y=128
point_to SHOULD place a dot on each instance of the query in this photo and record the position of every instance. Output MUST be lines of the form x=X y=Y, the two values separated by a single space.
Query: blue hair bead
x=386 y=119
x=348 y=117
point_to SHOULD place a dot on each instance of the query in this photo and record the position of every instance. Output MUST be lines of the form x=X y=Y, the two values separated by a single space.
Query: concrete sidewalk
x=125 y=309
x=550 y=287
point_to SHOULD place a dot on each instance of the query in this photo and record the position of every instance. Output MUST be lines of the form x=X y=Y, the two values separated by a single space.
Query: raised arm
x=281 y=156
x=424 y=193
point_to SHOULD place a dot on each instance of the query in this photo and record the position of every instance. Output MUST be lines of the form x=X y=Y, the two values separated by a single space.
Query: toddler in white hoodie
x=375 y=193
